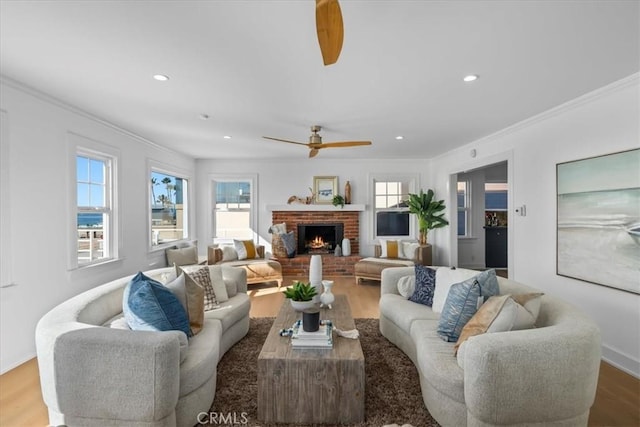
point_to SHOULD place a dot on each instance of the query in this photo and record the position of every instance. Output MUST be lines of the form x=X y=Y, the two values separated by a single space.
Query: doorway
x=482 y=197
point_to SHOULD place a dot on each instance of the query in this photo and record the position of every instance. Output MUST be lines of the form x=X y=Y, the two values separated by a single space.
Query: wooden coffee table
x=311 y=386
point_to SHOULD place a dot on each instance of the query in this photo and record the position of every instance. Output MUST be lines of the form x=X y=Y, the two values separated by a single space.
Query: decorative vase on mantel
x=347 y=193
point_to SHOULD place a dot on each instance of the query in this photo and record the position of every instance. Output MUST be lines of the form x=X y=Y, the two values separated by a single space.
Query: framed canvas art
x=325 y=187
x=598 y=220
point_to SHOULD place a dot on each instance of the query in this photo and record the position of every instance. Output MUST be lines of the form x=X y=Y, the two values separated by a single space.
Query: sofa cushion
x=229 y=253
x=425 y=285
x=435 y=360
x=217 y=283
x=407 y=286
x=246 y=249
x=445 y=278
x=488 y=283
x=460 y=306
x=202 y=276
x=391 y=248
x=194 y=300
x=202 y=357
x=528 y=309
x=182 y=256
x=495 y=312
x=403 y=312
x=149 y=306
x=231 y=312
x=409 y=249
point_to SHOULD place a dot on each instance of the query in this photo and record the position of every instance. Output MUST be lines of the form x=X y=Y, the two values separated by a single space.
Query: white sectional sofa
x=546 y=376
x=95 y=375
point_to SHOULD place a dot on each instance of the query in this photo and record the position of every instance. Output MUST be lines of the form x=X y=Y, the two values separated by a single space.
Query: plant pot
x=302 y=305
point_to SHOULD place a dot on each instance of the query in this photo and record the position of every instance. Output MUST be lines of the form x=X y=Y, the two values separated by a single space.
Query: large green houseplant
x=428 y=212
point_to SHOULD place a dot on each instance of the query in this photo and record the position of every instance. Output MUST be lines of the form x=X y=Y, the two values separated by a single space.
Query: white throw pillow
x=229 y=253
x=505 y=319
x=407 y=286
x=217 y=282
x=528 y=309
x=409 y=249
x=445 y=278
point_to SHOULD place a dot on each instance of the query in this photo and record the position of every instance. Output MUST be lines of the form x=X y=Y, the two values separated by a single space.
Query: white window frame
x=86 y=147
x=252 y=179
x=412 y=181
x=159 y=167
x=468 y=209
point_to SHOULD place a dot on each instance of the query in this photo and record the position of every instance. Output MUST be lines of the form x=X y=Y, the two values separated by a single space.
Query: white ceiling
x=255 y=67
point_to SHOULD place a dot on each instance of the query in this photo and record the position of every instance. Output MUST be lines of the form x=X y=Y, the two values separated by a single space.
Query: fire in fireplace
x=319 y=238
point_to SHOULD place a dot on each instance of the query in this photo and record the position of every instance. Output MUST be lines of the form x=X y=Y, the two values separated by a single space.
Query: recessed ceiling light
x=227 y=137
x=470 y=78
x=399 y=137
x=161 y=77
x=204 y=116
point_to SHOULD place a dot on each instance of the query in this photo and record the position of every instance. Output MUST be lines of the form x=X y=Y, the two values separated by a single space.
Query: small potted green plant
x=338 y=200
x=301 y=295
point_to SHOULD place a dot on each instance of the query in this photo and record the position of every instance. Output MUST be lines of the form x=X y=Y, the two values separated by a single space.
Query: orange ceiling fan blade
x=330 y=29
x=345 y=144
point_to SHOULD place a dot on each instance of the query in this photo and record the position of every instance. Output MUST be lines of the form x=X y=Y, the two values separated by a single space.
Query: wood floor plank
x=617 y=398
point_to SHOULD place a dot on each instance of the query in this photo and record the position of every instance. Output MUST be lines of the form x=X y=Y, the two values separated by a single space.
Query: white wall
x=38 y=129
x=280 y=179
x=602 y=122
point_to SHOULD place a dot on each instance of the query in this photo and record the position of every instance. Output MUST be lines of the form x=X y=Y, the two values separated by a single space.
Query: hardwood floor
x=617 y=400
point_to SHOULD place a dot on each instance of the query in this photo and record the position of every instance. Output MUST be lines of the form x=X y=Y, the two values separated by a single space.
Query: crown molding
x=75 y=110
x=609 y=89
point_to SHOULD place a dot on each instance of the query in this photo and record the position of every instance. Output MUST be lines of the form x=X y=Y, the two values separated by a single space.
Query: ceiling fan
x=330 y=29
x=315 y=142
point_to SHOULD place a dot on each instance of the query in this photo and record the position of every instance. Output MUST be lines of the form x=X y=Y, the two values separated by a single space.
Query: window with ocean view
x=168 y=208
x=94 y=208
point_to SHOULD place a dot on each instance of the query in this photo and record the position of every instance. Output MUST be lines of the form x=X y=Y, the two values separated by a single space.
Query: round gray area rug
x=392 y=385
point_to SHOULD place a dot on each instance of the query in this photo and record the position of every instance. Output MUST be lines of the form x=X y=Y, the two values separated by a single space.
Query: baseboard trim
x=14 y=365
x=620 y=360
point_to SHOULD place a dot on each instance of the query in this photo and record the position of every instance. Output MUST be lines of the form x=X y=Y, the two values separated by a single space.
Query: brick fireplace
x=331 y=265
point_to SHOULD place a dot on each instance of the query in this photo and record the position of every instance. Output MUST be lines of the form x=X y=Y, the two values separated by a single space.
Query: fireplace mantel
x=299 y=207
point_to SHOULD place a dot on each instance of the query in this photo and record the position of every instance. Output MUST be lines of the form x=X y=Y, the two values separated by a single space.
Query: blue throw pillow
x=149 y=306
x=425 y=285
x=488 y=284
x=460 y=306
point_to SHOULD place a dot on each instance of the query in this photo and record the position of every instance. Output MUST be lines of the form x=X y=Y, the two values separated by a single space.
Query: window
x=233 y=210
x=464 y=208
x=495 y=196
x=169 y=212
x=94 y=213
x=391 y=210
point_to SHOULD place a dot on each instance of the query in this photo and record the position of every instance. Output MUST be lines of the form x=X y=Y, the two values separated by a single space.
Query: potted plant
x=301 y=295
x=338 y=200
x=428 y=212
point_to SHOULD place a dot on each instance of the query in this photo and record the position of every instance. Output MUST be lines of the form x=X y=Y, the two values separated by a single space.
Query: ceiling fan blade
x=344 y=144
x=284 y=140
x=330 y=29
x=313 y=152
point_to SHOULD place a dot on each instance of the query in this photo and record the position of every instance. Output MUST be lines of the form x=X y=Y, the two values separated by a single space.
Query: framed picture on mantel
x=325 y=187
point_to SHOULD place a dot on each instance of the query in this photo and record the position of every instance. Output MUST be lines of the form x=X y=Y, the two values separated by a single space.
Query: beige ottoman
x=371 y=268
